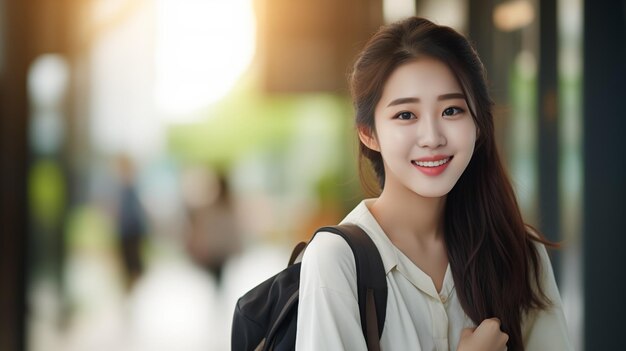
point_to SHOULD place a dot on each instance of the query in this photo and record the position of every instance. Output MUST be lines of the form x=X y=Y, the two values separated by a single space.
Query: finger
x=490 y=324
x=505 y=337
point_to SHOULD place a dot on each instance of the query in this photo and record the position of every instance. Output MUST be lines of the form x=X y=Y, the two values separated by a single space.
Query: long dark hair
x=492 y=254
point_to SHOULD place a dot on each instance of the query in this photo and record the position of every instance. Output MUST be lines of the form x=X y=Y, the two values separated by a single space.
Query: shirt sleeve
x=546 y=329
x=328 y=310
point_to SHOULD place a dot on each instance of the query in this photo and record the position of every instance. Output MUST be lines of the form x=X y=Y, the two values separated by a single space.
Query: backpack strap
x=371 y=281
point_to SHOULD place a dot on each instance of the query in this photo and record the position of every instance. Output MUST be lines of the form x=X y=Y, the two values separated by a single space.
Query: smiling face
x=423 y=129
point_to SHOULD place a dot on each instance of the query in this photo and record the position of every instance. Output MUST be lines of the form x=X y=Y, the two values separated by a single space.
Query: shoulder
x=537 y=241
x=545 y=272
x=328 y=261
x=541 y=253
x=546 y=329
x=328 y=250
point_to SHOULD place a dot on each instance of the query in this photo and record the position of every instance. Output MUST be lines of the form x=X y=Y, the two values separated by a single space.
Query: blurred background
x=161 y=157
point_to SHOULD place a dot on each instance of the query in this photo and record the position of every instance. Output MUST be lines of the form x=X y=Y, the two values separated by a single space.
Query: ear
x=368 y=138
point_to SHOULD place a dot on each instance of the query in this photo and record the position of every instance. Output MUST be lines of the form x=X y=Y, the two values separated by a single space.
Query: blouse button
x=443 y=298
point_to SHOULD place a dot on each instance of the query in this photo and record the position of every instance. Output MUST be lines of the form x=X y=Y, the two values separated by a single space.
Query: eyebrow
x=406 y=100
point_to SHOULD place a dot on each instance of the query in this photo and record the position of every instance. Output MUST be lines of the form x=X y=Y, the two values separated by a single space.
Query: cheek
x=464 y=137
x=396 y=139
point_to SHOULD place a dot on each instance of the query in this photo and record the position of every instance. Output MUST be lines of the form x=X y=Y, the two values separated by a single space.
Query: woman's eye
x=405 y=115
x=451 y=111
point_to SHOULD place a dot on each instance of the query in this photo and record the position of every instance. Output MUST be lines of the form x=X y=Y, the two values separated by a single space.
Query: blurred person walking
x=131 y=222
x=213 y=236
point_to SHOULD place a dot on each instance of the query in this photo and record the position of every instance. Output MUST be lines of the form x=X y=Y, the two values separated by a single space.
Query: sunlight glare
x=202 y=48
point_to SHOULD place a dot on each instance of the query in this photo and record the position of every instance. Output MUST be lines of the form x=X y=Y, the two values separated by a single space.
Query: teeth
x=431 y=163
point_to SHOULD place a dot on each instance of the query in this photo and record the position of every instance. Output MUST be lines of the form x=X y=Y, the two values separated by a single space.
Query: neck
x=405 y=213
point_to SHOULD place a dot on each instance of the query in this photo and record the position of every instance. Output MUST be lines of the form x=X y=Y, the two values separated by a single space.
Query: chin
x=432 y=192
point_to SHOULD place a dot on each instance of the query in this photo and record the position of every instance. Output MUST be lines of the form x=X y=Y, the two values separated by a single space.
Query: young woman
x=463 y=270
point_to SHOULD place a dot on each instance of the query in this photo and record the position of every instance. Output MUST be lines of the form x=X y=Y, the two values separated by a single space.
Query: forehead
x=423 y=78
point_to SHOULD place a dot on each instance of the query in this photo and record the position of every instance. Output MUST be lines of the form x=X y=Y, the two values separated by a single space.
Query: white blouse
x=418 y=317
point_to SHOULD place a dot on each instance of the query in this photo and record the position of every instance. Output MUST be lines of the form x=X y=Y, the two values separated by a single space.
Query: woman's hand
x=486 y=337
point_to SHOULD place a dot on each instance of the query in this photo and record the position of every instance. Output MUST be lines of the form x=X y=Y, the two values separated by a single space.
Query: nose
x=430 y=134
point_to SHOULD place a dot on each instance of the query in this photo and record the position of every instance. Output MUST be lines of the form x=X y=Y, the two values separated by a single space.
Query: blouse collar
x=392 y=257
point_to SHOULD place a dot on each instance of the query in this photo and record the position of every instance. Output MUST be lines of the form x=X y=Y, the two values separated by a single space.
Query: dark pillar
x=28 y=28
x=14 y=59
x=548 y=138
x=604 y=145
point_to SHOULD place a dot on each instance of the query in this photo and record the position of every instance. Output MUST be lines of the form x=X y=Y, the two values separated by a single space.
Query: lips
x=434 y=161
x=432 y=166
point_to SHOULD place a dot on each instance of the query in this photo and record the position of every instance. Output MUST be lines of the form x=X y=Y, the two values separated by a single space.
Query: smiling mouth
x=431 y=164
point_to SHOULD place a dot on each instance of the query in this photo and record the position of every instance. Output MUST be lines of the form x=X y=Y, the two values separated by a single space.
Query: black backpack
x=265 y=317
